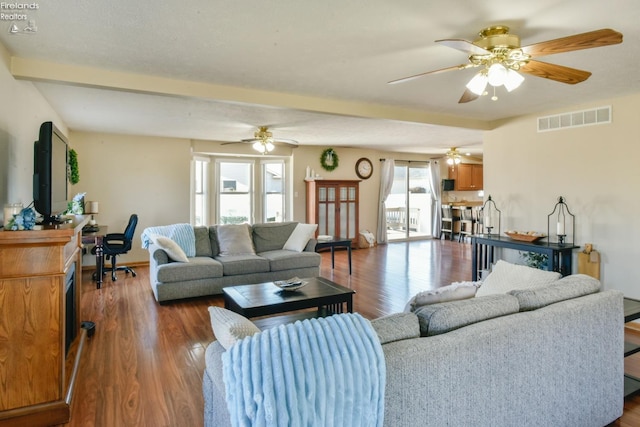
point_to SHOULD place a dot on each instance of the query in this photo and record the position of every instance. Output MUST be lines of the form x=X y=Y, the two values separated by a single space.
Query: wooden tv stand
x=40 y=287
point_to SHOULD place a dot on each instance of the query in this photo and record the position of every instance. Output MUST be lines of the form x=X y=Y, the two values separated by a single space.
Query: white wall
x=594 y=167
x=22 y=111
x=149 y=176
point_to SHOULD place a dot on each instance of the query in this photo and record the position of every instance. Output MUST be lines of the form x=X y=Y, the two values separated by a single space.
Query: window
x=242 y=190
x=235 y=191
x=200 y=193
x=273 y=193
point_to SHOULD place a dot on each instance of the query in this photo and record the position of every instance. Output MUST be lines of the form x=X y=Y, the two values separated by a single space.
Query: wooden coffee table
x=265 y=299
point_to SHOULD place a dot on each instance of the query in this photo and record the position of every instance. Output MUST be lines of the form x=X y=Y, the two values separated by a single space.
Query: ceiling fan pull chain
x=494 y=97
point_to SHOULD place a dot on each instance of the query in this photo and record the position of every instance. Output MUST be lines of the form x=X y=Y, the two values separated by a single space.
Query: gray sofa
x=545 y=356
x=207 y=273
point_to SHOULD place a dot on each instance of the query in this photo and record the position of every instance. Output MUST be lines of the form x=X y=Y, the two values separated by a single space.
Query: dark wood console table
x=559 y=256
x=631 y=313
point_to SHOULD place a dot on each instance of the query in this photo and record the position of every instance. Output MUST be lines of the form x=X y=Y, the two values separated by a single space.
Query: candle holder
x=561 y=215
x=490 y=213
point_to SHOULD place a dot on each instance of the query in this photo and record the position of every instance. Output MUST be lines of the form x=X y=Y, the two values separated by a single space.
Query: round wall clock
x=364 y=168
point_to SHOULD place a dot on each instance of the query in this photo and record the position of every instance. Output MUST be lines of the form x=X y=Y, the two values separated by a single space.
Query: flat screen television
x=448 y=184
x=50 y=173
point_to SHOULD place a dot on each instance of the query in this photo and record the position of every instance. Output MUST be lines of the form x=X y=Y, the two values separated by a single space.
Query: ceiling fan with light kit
x=501 y=59
x=454 y=156
x=264 y=142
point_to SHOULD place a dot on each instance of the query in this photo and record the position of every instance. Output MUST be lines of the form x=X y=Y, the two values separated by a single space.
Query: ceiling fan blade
x=559 y=73
x=442 y=70
x=291 y=142
x=468 y=96
x=598 y=38
x=464 y=46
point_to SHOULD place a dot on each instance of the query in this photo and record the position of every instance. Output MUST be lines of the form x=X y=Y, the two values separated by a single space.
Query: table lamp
x=91 y=208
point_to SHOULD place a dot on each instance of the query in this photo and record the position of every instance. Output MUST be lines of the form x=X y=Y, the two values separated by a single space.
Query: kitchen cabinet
x=468 y=177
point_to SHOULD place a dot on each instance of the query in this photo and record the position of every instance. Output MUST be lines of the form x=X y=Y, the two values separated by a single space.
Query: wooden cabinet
x=40 y=286
x=468 y=177
x=333 y=205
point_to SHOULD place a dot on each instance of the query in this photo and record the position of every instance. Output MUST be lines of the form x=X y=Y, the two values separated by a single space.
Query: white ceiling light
x=263 y=146
x=478 y=83
x=497 y=74
x=513 y=80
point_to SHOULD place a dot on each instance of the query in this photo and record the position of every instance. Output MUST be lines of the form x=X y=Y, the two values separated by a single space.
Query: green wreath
x=73 y=172
x=329 y=159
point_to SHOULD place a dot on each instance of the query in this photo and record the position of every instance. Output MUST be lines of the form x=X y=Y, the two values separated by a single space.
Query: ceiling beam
x=38 y=70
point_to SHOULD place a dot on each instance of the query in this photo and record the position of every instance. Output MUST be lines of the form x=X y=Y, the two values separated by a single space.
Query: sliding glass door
x=408 y=212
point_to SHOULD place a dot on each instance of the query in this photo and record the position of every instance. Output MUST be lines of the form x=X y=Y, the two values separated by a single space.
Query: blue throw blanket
x=182 y=234
x=318 y=372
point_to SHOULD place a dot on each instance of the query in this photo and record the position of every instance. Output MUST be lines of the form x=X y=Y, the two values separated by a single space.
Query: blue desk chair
x=115 y=244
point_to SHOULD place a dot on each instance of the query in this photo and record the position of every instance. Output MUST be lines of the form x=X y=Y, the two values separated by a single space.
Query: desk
x=95 y=238
x=559 y=256
x=336 y=242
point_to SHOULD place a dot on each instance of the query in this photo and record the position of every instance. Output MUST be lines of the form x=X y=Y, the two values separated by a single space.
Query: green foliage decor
x=329 y=159
x=535 y=260
x=74 y=172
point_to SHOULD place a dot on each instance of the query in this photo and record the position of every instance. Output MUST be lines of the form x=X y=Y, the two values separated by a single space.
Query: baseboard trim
x=107 y=265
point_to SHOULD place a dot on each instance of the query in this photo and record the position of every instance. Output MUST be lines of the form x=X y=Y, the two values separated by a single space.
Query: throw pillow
x=300 y=237
x=453 y=292
x=173 y=250
x=230 y=327
x=505 y=277
x=235 y=239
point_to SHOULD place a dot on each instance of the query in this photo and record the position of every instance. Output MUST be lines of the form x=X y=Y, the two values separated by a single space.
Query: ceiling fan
x=264 y=142
x=499 y=54
x=454 y=157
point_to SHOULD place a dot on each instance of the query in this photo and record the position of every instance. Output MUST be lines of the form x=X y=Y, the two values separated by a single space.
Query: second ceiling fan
x=499 y=54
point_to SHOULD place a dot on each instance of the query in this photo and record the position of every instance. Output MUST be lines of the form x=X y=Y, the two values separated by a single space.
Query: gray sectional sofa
x=208 y=272
x=545 y=356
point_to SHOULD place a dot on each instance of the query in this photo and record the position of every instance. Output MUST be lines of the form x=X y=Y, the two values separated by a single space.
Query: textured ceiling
x=336 y=53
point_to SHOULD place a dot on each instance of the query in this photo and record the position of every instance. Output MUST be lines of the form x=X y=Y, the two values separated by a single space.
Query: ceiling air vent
x=594 y=116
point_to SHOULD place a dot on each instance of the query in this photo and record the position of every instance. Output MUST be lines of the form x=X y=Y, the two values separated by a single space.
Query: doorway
x=408 y=207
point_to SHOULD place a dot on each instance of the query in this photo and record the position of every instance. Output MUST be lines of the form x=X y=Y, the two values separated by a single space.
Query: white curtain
x=436 y=198
x=386 y=181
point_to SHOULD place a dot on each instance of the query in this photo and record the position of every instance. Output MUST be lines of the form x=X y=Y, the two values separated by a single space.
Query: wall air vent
x=594 y=116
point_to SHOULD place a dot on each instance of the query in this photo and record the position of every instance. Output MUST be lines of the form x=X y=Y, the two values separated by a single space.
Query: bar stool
x=466 y=223
x=447 y=222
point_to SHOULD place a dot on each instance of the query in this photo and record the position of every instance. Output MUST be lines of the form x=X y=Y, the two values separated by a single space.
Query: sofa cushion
x=272 y=235
x=444 y=317
x=234 y=265
x=235 y=239
x=300 y=236
x=230 y=327
x=505 y=277
x=396 y=327
x=286 y=260
x=569 y=287
x=213 y=241
x=203 y=244
x=197 y=268
x=453 y=292
x=173 y=250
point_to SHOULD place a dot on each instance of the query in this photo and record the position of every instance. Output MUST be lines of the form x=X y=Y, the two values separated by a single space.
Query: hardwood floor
x=144 y=365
